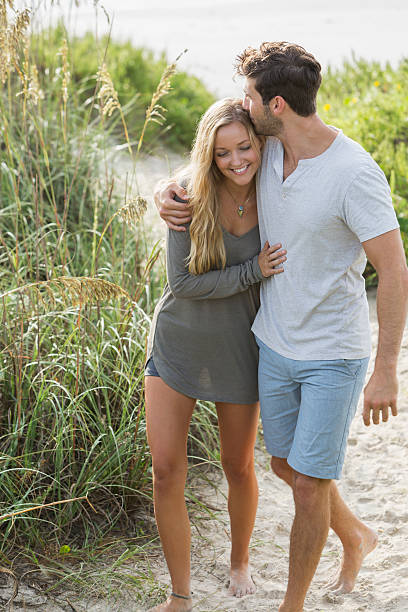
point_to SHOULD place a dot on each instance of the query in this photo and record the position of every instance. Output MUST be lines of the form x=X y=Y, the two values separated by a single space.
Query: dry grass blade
x=73 y=291
x=3 y=570
x=41 y=506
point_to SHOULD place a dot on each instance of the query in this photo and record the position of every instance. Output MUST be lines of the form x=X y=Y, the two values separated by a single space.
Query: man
x=327 y=201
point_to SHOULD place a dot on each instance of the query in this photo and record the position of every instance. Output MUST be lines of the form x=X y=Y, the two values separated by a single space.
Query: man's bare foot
x=174 y=604
x=353 y=558
x=240 y=582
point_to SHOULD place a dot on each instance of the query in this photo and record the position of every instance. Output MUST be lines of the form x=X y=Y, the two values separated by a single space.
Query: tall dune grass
x=76 y=291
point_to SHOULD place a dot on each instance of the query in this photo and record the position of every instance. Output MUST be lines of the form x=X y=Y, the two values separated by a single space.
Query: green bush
x=135 y=73
x=369 y=103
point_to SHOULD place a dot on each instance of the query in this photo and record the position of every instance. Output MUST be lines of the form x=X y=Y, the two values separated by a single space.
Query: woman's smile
x=240 y=170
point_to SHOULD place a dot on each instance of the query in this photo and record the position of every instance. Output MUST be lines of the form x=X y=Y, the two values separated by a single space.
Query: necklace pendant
x=240 y=210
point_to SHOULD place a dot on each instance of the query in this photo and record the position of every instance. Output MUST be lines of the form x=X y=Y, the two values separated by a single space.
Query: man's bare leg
x=308 y=537
x=357 y=539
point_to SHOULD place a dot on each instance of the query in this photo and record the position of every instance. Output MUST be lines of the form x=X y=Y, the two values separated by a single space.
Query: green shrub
x=369 y=102
x=135 y=73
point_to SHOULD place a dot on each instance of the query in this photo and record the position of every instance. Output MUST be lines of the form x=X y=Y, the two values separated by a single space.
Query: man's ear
x=277 y=105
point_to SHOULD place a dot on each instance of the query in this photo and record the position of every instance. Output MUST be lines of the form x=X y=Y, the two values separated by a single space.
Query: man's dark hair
x=283 y=69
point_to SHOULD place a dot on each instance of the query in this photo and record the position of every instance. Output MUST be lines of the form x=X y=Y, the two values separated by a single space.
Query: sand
x=375 y=486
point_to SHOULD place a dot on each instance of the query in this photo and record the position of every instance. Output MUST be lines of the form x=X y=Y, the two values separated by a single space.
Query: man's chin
x=266 y=131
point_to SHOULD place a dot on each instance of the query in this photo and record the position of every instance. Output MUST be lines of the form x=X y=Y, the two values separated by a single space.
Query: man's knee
x=309 y=492
x=281 y=468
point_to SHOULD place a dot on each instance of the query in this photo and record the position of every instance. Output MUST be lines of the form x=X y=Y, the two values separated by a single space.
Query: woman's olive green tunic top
x=201 y=340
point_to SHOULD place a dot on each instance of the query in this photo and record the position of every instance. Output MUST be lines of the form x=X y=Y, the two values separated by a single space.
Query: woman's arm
x=216 y=283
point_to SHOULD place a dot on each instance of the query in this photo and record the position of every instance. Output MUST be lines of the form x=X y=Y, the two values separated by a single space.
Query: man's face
x=263 y=119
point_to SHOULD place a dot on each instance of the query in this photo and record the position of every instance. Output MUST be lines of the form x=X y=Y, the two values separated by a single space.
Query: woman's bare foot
x=240 y=582
x=174 y=604
x=353 y=557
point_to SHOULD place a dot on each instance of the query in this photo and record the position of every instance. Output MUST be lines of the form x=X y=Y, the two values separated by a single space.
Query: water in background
x=215 y=31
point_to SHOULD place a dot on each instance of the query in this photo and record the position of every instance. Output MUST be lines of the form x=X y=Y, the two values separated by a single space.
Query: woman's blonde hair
x=207 y=246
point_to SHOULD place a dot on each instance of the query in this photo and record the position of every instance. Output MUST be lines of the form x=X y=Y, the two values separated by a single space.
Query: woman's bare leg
x=168 y=415
x=238 y=428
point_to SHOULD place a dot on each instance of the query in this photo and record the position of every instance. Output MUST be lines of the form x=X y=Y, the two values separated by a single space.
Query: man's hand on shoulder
x=174 y=213
x=380 y=394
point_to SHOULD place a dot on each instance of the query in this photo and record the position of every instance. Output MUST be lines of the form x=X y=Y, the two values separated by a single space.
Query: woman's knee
x=169 y=474
x=238 y=469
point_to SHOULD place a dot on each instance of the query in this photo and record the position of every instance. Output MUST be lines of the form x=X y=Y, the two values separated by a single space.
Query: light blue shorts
x=307 y=408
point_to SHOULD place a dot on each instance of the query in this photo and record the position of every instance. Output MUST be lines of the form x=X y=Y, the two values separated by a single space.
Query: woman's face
x=234 y=154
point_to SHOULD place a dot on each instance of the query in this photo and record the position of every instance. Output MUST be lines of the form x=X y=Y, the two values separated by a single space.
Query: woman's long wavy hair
x=207 y=246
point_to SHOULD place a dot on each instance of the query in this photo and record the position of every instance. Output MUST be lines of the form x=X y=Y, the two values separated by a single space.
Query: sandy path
x=374 y=484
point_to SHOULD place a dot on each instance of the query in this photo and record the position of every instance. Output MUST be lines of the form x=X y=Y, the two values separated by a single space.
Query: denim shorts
x=150 y=368
x=307 y=408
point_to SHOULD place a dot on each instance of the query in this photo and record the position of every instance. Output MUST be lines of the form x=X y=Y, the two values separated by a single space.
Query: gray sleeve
x=210 y=285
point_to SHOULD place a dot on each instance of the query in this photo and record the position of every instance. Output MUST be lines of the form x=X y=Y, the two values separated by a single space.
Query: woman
x=201 y=345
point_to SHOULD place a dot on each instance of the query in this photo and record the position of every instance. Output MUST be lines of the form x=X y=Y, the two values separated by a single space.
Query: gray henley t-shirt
x=317 y=309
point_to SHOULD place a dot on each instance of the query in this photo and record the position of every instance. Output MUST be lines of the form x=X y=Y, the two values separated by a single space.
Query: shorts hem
x=280 y=454
x=315 y=472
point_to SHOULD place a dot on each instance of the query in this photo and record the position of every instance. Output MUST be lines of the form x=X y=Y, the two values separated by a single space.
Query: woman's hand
x=269 y=258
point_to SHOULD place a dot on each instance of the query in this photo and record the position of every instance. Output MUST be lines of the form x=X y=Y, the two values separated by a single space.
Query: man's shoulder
x=351 y=160
x=352 y=153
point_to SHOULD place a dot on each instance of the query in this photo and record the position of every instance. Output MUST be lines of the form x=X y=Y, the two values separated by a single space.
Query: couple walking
x=267 y=171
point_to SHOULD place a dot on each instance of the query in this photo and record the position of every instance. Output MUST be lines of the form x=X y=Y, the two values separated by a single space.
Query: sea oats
x=155 y=111
x=35 y=93
x=11 y=37
x=71 y=290
x=108 y=96
x=66 y=75
x=133 y=211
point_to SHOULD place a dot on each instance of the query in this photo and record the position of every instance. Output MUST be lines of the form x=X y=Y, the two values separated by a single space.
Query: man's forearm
x=392 y=303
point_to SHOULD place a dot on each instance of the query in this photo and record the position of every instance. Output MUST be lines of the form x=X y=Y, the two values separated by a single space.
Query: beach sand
x=375 y=486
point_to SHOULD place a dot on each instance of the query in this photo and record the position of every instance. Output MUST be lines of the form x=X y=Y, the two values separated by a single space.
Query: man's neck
x=305 y=138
